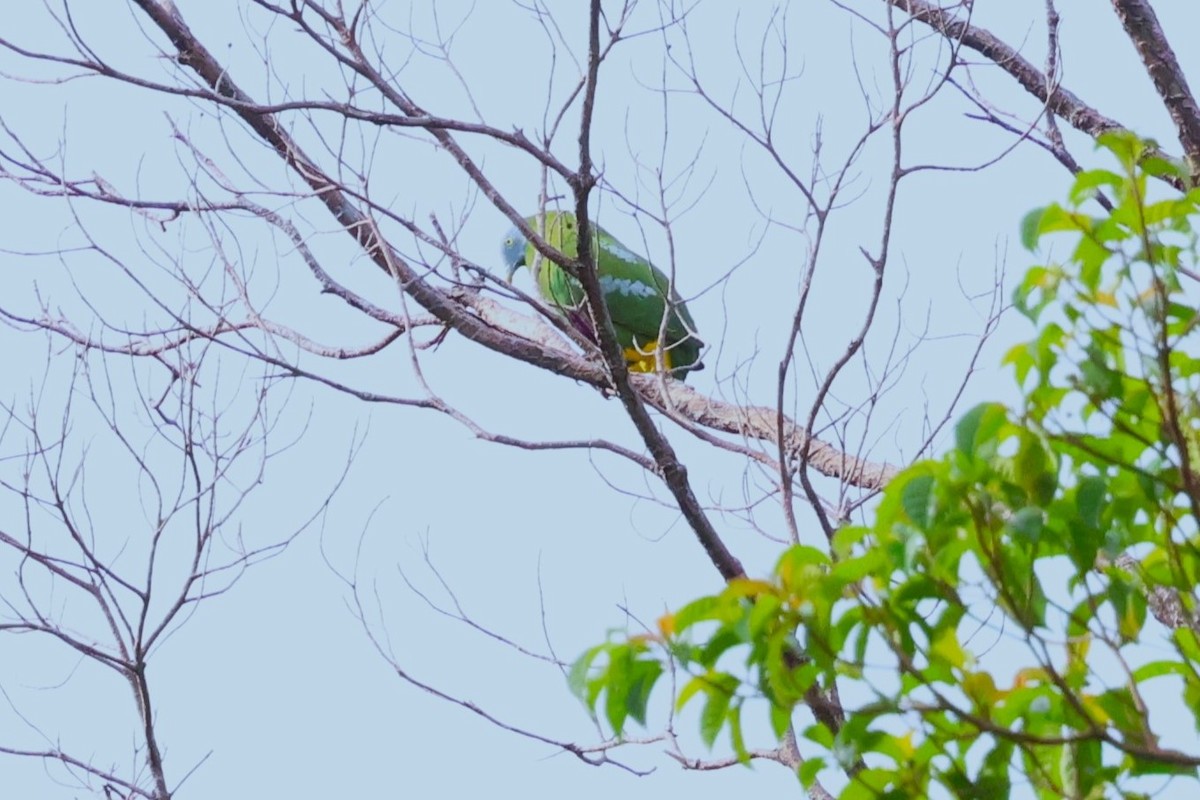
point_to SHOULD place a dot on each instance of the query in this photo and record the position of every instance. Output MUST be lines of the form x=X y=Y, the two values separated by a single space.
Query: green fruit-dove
x=637 y=293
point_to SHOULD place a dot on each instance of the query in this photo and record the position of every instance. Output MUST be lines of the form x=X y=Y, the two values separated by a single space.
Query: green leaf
x=994 y=775
x=781 y=719
x=869 y=784
x=577 y=677
x=917 y=499
x=820 y=734
x=945 y=646
x=1131 y=613
x=1031 y=228
x=619 y=678
x=852 y=570
x=1147 y=766
x=736 y=736
x=1027 y=524
x=977 y=426
x=1056 y=219
x=1122 y=710
x=1186 y=641
x=1159 y=166
x=716 y=707
x=1089 y=501
x=696 y=685
x=1035 y=469
x=763 y=614
x=1087 y=183
x=1037 y=290
x=809 y=770
x=1123 y=144
x=696 y=611
x=1157 y=669
x=643 y=675
x=846 y=537
x=721 y=641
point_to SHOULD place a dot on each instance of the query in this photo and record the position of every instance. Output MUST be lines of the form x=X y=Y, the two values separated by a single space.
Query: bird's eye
x=509 y=242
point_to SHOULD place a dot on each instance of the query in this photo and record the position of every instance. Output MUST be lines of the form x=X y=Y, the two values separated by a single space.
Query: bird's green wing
x=639 y=295
x=635 y=291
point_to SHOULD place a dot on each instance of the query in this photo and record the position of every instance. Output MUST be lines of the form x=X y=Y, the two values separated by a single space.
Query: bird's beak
x=512 y=270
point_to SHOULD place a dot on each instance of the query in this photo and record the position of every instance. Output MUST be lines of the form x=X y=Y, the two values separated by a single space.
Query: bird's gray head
x=514 y=252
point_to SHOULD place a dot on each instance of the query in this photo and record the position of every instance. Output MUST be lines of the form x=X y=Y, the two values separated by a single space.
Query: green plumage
x=638 y=295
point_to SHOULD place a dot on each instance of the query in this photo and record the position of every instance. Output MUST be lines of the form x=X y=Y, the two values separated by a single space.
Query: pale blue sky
x=276 y=679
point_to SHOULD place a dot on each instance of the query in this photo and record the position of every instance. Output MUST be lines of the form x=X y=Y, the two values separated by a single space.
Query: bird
x=637 y=293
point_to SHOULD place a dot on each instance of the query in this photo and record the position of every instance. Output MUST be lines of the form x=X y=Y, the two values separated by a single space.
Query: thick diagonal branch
x=760 y=422
x=194 y=55
x=1059 y=101
x=1141 y=23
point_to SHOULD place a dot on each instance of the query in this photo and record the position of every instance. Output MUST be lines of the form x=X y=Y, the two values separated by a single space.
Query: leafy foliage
x=1020 y=615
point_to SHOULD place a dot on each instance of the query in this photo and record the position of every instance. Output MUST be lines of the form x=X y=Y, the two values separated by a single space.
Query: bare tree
x=297 y=146
x=108 y=584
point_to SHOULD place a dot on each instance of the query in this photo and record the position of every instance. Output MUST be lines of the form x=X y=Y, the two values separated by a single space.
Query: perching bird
x=635 y=291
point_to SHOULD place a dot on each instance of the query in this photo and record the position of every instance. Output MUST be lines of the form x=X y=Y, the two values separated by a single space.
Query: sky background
x=274 y=687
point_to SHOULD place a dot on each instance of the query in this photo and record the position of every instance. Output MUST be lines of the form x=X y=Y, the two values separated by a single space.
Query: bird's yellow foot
x=645 y=359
